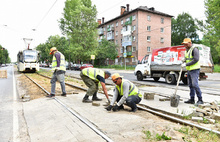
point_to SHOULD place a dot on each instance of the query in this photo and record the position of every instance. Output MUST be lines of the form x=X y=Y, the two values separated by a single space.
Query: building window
x=148 y=49
x=116 y=33
x=104 y=28
x=148 y=17
x=133 y=28
x=128 y=19
x=148 y=28
x=133 y=38
x=162 y=20
x=121 y=50
x=133 y=49
x=116 y=24
x=116 y=41
x=133 y=59
x=122 y=22
x=161 y=30
x=162 y=40
x=148 y=38
x=121 y=31
x=133 y=17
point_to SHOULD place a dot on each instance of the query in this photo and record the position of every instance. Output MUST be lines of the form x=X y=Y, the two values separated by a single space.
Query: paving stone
x=196 y=119
x=201 y=110
x=149 y=96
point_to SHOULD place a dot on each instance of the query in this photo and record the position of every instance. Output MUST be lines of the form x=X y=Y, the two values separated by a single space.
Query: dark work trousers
x=193 y=76
x=131 y=101
x=57 y=76
x=91 y=84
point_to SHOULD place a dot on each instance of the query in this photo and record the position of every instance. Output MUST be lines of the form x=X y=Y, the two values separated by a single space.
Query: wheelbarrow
x=174 y=99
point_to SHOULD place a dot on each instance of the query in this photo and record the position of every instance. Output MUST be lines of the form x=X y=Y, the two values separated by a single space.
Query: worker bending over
x=124 y=91
x=91 y=77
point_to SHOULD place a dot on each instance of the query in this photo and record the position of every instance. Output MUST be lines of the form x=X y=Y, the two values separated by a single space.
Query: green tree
x=212 y=34
x=60 y=43
x=4 y=56
x=106 y=49
x=183 y=26
x=80 y=26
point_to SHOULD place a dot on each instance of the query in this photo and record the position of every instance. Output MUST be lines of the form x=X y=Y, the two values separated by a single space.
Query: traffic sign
x=125 y=54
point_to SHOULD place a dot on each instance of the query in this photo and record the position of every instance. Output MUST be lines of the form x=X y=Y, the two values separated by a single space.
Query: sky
x=38 y=19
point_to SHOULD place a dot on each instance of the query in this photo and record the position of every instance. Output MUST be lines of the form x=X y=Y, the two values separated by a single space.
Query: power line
x=45 y=15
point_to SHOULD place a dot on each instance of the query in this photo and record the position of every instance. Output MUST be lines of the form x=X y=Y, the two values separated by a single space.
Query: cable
x=45 y=16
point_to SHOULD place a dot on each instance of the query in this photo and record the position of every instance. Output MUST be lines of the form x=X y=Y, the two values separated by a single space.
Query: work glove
x=109 y=108
x=115 y=108
x=109 y=101
x=183 y=65
x=183 y=60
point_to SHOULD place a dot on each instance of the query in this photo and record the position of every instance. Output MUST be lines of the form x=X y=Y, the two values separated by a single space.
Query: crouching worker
x=91 y=77
x=124 y=91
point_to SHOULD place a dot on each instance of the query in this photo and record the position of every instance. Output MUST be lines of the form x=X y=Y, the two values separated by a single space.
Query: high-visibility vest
x=189 y=58
x=132 y=91
x=93 y=72
x=62 y=62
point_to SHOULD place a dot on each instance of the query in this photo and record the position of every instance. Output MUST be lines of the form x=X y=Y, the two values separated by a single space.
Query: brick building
x=136 y=32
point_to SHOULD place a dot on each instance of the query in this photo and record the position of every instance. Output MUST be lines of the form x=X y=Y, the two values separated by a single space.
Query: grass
x=157 y=137
x=216 y=68
x=195 y=134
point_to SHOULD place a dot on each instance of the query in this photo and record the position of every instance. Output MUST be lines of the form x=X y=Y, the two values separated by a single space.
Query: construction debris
x=3 y=74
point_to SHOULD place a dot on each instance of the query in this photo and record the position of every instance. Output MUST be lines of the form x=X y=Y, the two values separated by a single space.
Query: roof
x=140 y=8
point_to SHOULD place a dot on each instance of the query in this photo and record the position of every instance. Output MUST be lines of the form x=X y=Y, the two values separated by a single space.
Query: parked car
x=86 y=66
x=67 y=65
x=76 y=67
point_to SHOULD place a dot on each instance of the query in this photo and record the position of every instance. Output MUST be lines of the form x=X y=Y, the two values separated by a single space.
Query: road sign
x=93 y=57
x=125 y=54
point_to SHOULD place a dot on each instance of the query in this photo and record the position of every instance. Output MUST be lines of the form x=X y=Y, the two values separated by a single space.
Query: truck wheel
x=139 y=76
x=184 y=80
x=156 y=78
x=170 y=79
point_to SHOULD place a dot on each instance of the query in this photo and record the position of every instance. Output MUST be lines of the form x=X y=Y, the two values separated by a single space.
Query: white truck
x=166 y=63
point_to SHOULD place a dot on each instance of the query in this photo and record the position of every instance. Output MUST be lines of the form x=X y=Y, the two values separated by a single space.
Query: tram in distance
x=28 y=60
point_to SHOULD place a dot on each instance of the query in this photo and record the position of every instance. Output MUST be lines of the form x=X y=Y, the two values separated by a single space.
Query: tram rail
x=141 y=107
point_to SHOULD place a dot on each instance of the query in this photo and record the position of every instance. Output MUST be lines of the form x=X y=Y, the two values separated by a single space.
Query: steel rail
x=89 y=124
x=169 y=117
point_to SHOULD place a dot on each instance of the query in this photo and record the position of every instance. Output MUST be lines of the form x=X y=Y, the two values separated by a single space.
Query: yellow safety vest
x=93 y=72
x=133 y=91
x=189 y=58
x=62 y=62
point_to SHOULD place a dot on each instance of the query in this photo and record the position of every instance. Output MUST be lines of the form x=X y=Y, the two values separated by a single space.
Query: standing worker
x=91 y=77
x=124 y=91
x=59 y=68
x=192 y=64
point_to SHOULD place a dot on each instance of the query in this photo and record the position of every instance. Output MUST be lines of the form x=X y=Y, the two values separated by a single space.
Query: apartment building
x=137 y=32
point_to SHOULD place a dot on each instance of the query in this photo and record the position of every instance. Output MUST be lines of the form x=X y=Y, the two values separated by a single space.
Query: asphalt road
x=8 y=111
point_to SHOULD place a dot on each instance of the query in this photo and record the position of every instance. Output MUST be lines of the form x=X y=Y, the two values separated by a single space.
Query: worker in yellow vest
x=192 y=64
x=125 y=91
x=91 y=77
x=59 y=69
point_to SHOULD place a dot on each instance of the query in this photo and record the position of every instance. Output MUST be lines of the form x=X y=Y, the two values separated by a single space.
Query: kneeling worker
x=91 y=77
x=124 y=91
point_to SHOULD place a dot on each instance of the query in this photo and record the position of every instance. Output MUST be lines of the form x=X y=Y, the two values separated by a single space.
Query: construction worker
x=124 y=91
x=192 y=64
x=91 y=77
x=59 y=69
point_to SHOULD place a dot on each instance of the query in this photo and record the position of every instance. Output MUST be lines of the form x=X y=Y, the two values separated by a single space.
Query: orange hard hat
x=186 y=40
x=115 y=76
x=52 y=49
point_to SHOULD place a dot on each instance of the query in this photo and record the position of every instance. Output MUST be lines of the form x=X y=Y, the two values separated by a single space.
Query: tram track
x=142 y=107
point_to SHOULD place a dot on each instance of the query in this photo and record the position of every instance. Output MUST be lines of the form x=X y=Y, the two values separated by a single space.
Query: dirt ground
x=148 y=126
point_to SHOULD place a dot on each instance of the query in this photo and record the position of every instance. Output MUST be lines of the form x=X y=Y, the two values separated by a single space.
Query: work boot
x=190 y=101
x=199 y=102
x=64 y=94
x=121 y=107
x=95 y=98
x=50 y=96
x=86 y=99
x=133 y=110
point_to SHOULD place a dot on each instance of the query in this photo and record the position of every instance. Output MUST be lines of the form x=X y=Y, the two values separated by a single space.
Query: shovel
x=174 y=100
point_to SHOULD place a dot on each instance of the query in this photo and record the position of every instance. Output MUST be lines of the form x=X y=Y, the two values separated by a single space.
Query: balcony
x=129 y=53
x=110 y=29
x=101 y=31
